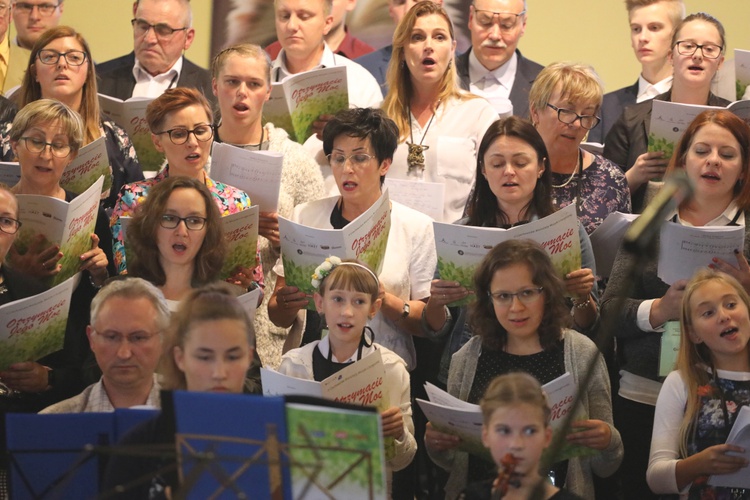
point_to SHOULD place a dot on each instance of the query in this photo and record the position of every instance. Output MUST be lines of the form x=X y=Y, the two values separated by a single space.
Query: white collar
x=140 y=74
x=504 y=74
x=279 y=69
x=324 y=346
x=649 y=91
x=722 y=220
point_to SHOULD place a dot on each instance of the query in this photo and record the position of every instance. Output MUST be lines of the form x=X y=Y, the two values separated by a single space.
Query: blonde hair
x=692 y=357
x=209 y=303
x=247 y=50
x=578 y=83
x=400 y=92
x=49 y=111
x=675 y=8
x=512 y=389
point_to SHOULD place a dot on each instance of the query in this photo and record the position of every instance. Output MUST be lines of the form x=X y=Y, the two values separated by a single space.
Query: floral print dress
x=719 y=399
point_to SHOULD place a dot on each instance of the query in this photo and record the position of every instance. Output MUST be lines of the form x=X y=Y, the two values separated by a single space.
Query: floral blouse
x=711 y=428
x=603 y=190
x=229 y=200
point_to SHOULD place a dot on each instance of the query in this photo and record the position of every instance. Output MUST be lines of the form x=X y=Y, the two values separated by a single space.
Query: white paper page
x=684 y=249
x=425 y=197
x=607 y=238
x=740 y=436
x=278 y=384
x=258 y=173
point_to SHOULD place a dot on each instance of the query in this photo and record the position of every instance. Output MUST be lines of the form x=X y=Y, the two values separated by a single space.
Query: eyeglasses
x=358 y=160
x=526 y=296
x=114 y=338
x=72 y=57
x=9 y=225
x=161 y=30
x=45 y=9
x=506 y=20
x=569 y=117
x=193 y=222
x=36 y=146
x=709 y=50
x=3 y=7
x=180 y=135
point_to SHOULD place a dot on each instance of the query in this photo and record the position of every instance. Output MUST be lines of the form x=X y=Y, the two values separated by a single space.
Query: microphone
x=677 y=188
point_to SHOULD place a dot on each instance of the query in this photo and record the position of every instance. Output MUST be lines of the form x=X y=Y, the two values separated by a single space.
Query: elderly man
x=338 y=38
x=493 y=67
x=162 y=31
x=31 y=18
x=651 y=25
x=301 y=27
x=377 y=62
x=128 y=318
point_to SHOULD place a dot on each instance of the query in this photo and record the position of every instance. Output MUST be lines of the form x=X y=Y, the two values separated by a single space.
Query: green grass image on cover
x=72 y=251
x=309 y=111
x=450 y=271
x=335 y=440
x=301 y=277
x=740 y=88
x=375 y=253
x=242 y=255
x=45 y=339
x=83 y=183
x=148 y=156
x=660 y=144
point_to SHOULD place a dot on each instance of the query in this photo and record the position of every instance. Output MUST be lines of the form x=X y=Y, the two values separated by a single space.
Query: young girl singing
x=516 y=430
x=346 y=298
x=705 y=393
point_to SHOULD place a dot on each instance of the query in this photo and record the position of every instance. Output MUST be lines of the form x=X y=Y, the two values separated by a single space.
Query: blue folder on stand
x=63 y=455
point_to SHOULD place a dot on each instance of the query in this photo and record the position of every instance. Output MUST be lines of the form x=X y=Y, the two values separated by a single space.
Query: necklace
x=415 y=158
x=260 y=144
x=575 y=171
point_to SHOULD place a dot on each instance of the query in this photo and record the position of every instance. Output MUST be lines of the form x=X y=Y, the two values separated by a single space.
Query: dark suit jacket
x=377 y=64
x=628 y=137
x=613 y=105
x=526 y=72
x=115 y=77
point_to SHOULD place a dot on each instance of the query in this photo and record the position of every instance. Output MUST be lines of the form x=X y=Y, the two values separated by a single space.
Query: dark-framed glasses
x=192 y=222
x=8 y=225
x=72 y=57
x=45 y=9
x=180 y=135
x=161 y=30
x=114 y=338
x=569 y=117
x=526 y=296
x=709 y=50
x=358 y=160
x=36 y=145
x=507 y=21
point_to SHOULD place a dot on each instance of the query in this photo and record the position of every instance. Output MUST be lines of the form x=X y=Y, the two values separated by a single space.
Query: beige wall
x=592 y=31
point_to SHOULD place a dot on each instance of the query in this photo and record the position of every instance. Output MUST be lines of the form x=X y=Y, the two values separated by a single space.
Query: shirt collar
x=280 y=71
x=505 y=74
x=324 y=346
x=722 y=220
x=140 y=74
x=649 y=91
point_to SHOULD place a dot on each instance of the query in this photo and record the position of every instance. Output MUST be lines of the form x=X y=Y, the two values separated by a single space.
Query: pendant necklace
x=415 y=158
x=576 y=170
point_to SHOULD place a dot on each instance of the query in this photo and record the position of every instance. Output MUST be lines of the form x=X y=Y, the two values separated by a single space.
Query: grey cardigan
x=596 y=400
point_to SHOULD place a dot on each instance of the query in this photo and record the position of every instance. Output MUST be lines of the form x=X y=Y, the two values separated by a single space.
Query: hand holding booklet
x=453 y=416
x=461 y=249
x=740 y=436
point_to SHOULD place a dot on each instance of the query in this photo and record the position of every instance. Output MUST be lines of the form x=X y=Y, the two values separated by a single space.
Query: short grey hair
x=133 y=288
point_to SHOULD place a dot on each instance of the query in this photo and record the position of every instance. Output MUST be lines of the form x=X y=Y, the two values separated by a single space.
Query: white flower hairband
x=331 y=263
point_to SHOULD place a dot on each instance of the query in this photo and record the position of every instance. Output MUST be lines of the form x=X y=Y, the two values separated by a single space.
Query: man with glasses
x=651 y=25
x=128 y=319
x=162 y=31
x=493 y=67
x=31 y=18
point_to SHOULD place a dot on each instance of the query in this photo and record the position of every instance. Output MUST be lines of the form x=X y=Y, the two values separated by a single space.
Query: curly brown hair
x=141 y=235
x=556 y=315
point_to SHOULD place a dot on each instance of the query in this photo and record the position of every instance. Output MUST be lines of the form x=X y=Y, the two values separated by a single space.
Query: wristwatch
x=405 y=311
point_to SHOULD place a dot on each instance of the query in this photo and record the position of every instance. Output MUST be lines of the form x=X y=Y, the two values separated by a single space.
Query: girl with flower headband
x=347 y=297
x=705 y=392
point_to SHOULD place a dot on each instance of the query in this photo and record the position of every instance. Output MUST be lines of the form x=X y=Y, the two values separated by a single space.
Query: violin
x=505 y=477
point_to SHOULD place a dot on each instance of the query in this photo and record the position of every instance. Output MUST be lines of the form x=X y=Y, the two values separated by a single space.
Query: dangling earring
x=364 y=342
